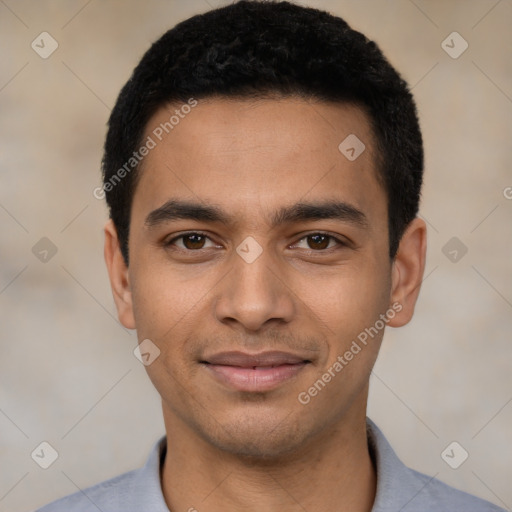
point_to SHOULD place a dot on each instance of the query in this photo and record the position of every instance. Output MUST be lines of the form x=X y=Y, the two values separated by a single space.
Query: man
x=263 y=168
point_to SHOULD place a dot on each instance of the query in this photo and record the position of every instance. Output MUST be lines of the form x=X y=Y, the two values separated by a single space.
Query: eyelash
x=184 y=235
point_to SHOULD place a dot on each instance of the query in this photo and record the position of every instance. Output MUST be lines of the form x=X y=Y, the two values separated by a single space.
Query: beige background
x=68 y=374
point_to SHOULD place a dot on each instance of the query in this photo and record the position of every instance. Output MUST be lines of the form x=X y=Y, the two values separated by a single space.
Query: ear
x=119 y=276
x=407 y=271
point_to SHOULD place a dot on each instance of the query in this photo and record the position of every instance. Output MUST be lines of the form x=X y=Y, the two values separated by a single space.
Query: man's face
x=240 y=294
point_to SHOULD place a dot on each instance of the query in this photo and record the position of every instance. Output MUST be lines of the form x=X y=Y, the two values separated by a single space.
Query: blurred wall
x=68 y=374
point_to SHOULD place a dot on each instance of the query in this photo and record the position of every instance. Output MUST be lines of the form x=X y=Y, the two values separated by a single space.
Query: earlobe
x=119 y=276
x=407 y=271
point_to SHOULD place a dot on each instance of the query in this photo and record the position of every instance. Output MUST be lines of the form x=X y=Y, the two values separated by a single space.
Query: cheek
x=351 y=298
x=163 y=301
x=167 y=311
x=350 y=306
x=351 y=309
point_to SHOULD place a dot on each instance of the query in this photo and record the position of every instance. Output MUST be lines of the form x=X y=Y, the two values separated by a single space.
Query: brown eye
x=319 y=241
x=193 y=241
x=189 y=241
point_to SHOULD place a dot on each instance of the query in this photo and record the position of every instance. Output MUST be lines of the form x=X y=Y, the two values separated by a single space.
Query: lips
x=254 y=372
x=244 y=360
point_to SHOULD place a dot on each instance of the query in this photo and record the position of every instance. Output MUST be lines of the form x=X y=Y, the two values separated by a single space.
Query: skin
x=234 y=450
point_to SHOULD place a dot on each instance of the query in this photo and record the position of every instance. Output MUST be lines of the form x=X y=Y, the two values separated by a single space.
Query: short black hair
x=255 y=49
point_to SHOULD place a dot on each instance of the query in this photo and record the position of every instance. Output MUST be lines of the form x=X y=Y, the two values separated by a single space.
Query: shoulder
x=402 y=488
x=442 y=497
x=108 y=496
x=132 y=491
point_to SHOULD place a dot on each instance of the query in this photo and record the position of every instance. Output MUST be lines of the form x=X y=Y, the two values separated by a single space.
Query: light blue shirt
x=399 y=489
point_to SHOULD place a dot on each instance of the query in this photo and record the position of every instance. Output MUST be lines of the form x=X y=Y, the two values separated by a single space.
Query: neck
x=332 y=472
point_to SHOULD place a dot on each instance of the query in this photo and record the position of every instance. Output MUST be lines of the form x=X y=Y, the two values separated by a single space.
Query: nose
x=254 y=294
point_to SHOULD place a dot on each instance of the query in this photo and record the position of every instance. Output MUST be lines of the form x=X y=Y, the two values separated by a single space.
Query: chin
x=257 y=448
x=259 y=440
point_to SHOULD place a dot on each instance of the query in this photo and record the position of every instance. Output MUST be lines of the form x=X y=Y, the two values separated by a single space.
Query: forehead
x=250 y=154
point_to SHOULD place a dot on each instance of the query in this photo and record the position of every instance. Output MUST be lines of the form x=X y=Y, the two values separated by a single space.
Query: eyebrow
x=176 y=209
